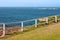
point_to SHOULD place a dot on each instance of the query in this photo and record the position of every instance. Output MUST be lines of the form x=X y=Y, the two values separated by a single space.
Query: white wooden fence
x=22 y=24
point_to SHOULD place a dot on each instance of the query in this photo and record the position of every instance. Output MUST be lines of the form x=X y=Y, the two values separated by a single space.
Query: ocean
x=15 y=14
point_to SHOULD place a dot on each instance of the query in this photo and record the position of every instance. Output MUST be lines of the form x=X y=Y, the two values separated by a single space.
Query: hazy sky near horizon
x=29 y=3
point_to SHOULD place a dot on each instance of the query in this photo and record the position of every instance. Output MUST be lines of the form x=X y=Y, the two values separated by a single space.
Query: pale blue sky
x=29 y=3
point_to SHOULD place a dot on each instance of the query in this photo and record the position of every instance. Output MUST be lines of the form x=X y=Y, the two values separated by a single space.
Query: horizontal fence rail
x=20 y=24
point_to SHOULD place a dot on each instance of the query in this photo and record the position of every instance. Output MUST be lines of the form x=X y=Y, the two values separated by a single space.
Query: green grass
x=43 y=32
x=50 y=32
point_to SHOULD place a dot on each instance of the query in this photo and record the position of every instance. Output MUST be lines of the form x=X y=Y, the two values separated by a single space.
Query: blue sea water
x=14 y=14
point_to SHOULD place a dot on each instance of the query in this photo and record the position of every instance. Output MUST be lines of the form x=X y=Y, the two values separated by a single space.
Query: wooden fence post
x=35 y=22
x=46 y=20
x=21 y=26
x=3 y=30
x=56 y=19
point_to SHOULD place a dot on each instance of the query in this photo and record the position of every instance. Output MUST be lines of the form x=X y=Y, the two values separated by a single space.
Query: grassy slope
x=51 y=32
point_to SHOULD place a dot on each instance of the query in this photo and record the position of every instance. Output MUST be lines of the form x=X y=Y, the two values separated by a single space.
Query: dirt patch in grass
x=49 y=32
